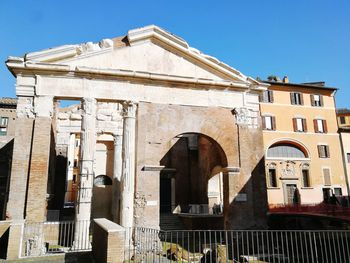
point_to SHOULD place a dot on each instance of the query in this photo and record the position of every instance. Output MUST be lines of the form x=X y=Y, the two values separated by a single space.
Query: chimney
x=285 y=79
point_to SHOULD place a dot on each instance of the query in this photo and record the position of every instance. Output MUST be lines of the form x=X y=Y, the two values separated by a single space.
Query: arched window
x=285 y=150
x=102 y=180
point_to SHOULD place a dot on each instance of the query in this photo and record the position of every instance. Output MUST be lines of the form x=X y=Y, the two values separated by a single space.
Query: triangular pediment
x=149 y=49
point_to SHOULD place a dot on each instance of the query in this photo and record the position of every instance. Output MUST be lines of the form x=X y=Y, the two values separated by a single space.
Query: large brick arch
x=158 y=124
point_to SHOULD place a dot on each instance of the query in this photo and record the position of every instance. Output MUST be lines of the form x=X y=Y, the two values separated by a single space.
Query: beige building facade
x=7 y=119
x=161 y=127
x=303 y=159
x=343 y=116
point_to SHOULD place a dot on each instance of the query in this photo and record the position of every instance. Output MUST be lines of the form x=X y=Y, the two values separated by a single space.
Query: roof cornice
x=18 y=66
x=51 y=59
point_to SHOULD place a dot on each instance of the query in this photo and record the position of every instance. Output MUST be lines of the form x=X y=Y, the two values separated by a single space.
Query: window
x=299 y=125
x=272 y=180
x=3 y=125
x=306 y=175
x=285 y=150
x=267 y=96
x=320 y=126
x=75 y=162
x=296 y=98
x=342 y=119
x=3 y=130
x=102 y=180
x=338 y=191
x=323 y=151
x=4 y=121
x=327 y=176
x=269 y=122
x=316 y=100
x=348 y=157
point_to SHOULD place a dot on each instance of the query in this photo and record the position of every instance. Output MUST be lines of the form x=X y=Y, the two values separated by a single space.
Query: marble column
x=86 y=176
x=128 y=165
x=117 y=174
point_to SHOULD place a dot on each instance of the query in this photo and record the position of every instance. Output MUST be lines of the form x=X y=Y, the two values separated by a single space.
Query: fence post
x=108 y=243
x=14 y=246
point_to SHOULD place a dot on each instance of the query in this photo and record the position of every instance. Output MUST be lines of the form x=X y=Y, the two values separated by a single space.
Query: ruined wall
x=157 y=124
x=248 y=197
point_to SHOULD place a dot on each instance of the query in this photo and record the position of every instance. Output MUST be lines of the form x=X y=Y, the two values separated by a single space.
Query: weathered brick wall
x=37 y=185
x=158 y=124
x=248 y=197
x=108 y=242
x=20 y=166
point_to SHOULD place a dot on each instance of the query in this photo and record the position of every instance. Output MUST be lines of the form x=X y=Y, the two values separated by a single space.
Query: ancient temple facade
x=161 y=128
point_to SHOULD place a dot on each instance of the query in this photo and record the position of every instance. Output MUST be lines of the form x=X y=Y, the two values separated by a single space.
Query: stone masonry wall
x=156 y=126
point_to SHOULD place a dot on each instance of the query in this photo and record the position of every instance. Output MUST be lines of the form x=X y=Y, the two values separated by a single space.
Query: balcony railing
x=316 y=209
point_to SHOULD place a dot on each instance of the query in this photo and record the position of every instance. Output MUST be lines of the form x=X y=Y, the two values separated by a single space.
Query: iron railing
x=151 y=245
x=56 y=237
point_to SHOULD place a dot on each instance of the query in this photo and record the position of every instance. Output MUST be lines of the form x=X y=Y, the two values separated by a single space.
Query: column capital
x=117 y=139
x=89 y=105
x=43 y=106
x=129 y=109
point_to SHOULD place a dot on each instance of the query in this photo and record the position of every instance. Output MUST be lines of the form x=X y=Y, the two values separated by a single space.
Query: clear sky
x=307 y=40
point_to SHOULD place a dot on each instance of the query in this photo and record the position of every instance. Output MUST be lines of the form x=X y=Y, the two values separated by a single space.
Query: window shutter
x=301 y=99
x=320 y=151
x=295 y=127
x=271 y=96
x=315 y=126
x=273 y=119
x=261 y=97
x=321 y=100
x=304 y=125
x=324 y=123
x=327 y=153
x=263 y=123
x=292 y=98
x=312 y=98
x=327 y=176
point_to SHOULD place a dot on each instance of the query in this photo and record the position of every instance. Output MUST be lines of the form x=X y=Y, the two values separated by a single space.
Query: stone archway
x=190 y=164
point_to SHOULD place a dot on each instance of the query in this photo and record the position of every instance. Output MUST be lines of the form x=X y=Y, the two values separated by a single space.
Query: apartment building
x=343 y=117
x=303 y=157
x=7 y=132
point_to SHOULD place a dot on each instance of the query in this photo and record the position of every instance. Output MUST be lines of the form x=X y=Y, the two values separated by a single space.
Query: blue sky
x=307 y=40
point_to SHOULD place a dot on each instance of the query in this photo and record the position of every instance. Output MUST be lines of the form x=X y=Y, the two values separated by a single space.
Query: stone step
x=170 y=222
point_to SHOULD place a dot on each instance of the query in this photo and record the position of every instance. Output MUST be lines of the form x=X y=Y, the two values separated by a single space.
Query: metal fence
x=150 y=245
x=56 y=237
